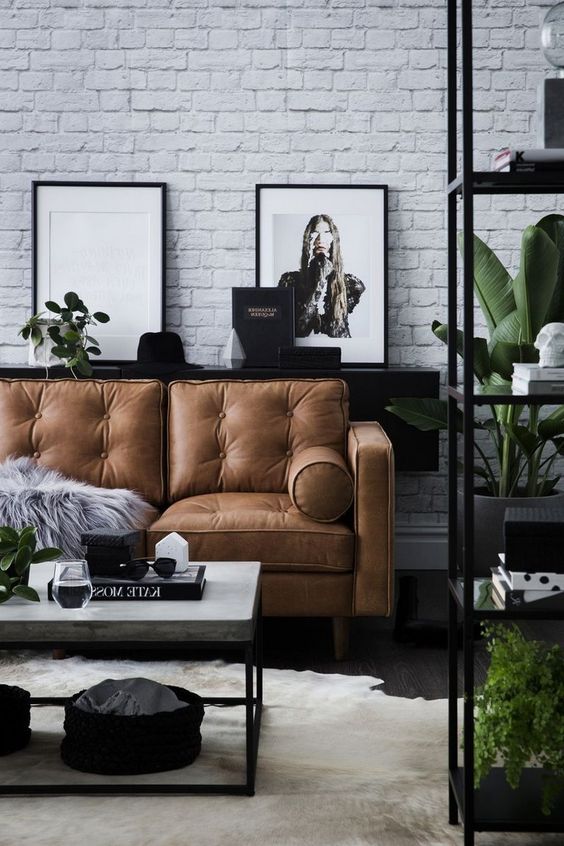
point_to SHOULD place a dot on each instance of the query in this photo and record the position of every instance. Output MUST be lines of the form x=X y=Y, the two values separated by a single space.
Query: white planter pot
x=41 y=355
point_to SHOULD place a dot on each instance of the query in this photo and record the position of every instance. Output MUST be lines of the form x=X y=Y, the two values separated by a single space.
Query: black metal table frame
x=252 y=702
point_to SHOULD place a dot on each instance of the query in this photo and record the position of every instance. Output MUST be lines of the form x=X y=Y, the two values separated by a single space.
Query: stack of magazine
x=534 y=379
x=549 y=160
x=532 y=589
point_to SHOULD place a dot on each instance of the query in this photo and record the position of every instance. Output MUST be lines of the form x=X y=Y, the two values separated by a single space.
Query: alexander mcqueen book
x=264 y=321
x=182 y=586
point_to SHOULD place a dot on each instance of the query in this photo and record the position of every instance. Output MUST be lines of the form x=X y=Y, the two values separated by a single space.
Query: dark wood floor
x=409 y=669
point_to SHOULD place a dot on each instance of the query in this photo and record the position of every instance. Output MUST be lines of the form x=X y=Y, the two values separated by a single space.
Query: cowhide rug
x=340 y=764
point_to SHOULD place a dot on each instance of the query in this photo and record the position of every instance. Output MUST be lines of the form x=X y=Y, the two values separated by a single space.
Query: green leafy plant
x=69 y=331
x=17 y=552
x=519 y=711
x=525 y=446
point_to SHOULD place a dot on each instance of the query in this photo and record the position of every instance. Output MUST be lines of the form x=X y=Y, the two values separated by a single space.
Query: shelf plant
x=69 y=332
x=519 y=711
x=18 y=551
x=525 y=443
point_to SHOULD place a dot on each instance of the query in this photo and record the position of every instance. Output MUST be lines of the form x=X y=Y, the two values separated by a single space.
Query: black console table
x=370 y=391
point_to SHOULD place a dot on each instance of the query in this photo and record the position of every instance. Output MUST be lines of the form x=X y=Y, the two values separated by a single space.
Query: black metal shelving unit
x=494 y=806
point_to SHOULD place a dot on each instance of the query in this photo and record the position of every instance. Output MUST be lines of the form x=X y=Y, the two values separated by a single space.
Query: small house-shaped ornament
x=174 y=546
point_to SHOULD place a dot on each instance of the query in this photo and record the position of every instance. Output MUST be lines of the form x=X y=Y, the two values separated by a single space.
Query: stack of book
x=533 y=589
x=530 y=161
x=534 y=379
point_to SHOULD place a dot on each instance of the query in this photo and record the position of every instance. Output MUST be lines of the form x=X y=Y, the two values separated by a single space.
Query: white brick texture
x=213 y=96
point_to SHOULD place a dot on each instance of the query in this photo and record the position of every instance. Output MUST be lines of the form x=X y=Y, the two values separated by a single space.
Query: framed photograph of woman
x=328 y=243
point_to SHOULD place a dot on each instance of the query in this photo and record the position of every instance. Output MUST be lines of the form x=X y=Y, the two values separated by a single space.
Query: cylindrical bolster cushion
x=319 y=484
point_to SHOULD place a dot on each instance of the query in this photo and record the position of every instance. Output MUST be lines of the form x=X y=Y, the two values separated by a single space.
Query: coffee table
x=228 y=617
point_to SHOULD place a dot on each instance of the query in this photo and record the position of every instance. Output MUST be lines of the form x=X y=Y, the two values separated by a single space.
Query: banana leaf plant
x=525 y=442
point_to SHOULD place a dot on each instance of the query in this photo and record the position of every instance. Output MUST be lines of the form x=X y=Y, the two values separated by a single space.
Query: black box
x=106 y=549
x=534 y=539
x=310 y=358
x=264 y=321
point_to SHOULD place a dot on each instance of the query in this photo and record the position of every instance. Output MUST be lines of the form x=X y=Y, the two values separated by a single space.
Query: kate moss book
x=182 y=586
x=264 y=321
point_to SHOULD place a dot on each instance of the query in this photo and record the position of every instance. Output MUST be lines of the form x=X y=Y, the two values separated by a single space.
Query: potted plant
x=64 y=338
x=524 y=443
x=519 y=711
x=17 y=552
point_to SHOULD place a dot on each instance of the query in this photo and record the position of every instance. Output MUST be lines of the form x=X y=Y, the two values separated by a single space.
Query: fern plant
x=519 y=711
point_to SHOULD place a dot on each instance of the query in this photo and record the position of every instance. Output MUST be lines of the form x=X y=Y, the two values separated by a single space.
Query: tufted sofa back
x=241 y=435
x=106 y=433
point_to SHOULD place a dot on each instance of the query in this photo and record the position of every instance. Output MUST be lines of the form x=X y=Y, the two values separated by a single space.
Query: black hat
x=159 y=354
x=161 y=348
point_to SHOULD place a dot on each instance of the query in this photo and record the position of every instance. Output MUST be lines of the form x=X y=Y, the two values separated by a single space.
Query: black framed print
x=105 y=241
x=329 y=243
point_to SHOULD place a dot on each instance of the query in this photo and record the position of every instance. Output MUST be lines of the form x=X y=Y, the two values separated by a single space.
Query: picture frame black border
x=302 y=185
x=38 y=183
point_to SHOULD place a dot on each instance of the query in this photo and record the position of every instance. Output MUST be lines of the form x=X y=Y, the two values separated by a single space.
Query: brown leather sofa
x=213 y=458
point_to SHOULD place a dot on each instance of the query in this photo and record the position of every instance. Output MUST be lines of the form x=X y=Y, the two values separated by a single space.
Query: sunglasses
x=137 y=568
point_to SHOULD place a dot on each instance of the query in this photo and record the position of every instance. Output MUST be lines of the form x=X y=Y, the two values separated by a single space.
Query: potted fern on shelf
x=519 y=712
x=516 y=446
x=65 y=337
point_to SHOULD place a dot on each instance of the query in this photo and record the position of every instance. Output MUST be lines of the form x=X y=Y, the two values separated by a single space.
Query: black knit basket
x=113 y=744
x=15 y=715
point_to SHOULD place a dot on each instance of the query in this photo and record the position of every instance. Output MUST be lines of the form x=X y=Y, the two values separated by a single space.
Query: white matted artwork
x=106 y=242
x=329 y=244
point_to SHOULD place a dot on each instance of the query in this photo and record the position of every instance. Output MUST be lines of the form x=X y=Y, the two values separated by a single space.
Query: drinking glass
x=72 y=587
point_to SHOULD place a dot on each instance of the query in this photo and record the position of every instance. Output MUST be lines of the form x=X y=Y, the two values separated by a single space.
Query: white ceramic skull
x=550 y=343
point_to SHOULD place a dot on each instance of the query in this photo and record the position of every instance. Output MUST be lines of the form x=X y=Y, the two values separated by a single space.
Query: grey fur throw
x=62 y=509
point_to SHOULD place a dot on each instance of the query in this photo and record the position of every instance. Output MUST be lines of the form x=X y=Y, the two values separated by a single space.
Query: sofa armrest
x=371 y=461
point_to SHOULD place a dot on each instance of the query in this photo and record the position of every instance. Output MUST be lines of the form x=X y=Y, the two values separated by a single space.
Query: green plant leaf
x=48 y=553
x=535 y=283
x=22 y=559
x=26 y=592
x=553 y=225
x=54 y=333
x=508 y=329
x=425 y=414
x=7 y=561
x=50 y=305
x=8 y=534
x=28 y=537
x=553 y=425
x=6 y=546
x=525 y=439
x=548 y=486
x=5 y=580
x=504 y=355
x=36 y=336
x=101 y=317
x=66 y=316
x=481 y=361
x=92 y=340
x=84 y=367
x=60 y=351
x=492 y=283
x=25 y=332
x=5 y=595
x=71 y=300
x=93 y=351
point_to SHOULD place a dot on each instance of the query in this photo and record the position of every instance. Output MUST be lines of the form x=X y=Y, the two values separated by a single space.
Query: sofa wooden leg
x=341 y=637
x=59 y=654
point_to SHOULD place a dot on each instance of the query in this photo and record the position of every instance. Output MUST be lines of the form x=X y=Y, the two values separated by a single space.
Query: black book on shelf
x=264 y=321
x=182 y=586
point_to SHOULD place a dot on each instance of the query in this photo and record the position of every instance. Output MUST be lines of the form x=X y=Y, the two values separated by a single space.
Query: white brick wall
x=213 y=96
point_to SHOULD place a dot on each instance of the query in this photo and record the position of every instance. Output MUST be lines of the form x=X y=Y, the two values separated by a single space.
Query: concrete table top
x=227 y=612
